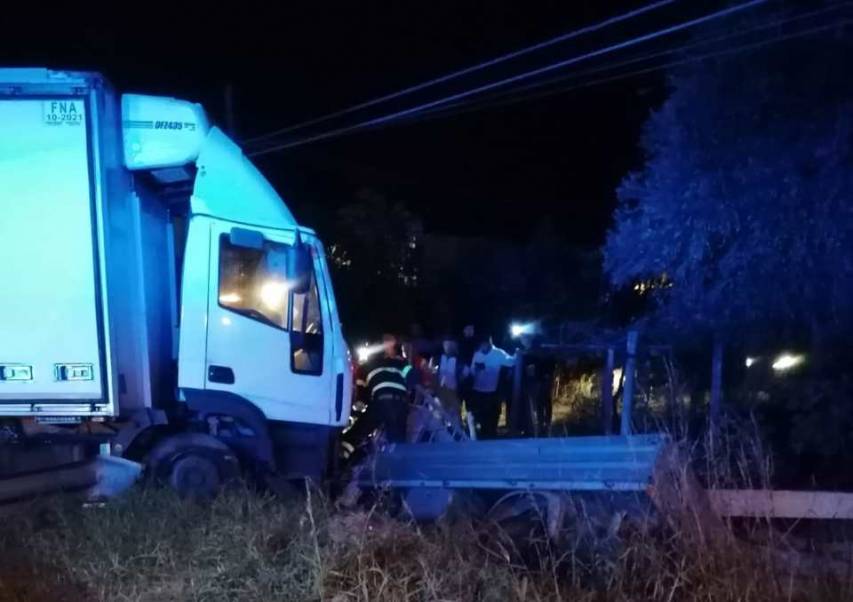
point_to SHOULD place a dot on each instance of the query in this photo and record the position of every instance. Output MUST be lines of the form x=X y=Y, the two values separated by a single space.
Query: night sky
x=495 y=173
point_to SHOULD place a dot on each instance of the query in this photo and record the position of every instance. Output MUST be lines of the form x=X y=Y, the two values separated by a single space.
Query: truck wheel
x=195 y=476
x=195 y=465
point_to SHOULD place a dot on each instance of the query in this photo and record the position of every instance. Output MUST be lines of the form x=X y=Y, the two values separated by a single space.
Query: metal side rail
x=93 y=478
x=611 y=463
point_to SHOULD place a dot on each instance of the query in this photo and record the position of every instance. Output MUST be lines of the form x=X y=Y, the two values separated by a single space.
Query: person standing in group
x=450 y=374
x=384 y=385
x=423 y=348
x=417 y=373
x=537 y=381
x=483 y=400
x=468 y=345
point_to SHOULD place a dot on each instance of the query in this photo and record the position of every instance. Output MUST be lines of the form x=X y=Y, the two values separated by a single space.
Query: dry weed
x=246 y=546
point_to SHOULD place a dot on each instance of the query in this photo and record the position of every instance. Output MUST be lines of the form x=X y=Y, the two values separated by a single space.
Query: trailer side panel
x=51 y=340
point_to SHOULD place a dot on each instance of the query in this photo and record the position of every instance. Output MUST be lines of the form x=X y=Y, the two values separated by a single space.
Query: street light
x=786 y=361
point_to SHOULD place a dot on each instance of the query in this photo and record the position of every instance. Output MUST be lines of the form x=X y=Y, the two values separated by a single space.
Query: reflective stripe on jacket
x=386 y=374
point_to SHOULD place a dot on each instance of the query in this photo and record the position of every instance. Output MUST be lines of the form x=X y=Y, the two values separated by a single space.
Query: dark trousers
x=393 y=411
x=486 y=408
x=387 y=411
x=536 y=397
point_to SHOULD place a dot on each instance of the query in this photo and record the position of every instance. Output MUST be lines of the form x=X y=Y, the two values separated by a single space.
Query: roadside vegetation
x=247 y=546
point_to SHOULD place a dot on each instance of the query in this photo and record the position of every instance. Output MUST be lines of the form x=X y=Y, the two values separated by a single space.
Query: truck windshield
x=253 y=282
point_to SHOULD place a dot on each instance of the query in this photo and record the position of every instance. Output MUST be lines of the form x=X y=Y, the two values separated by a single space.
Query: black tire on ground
x=195 y=465
x=195 y=475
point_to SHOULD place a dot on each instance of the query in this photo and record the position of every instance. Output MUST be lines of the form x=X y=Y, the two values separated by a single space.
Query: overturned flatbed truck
x=431 y=473
x=634 y=472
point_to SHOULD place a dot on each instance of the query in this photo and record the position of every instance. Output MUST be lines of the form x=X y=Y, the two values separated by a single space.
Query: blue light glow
x=516 y=329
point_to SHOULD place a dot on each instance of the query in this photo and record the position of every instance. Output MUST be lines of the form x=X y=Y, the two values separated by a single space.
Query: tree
x=375 y=258
x=492 y=282
x=742 y=217
x=471 y=280
x=562 y=280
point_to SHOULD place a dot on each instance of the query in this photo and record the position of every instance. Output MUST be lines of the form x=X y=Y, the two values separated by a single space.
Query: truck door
x=265 y=341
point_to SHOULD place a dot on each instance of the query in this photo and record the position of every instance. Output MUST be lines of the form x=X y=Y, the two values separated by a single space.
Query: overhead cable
x=466 y=71
x=519 y=77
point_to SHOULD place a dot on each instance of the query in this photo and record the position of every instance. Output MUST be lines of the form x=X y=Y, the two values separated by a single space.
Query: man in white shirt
x=450 y=373
x=483 y=400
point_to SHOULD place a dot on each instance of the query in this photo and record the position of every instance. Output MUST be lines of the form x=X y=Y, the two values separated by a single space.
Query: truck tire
x=195 y=465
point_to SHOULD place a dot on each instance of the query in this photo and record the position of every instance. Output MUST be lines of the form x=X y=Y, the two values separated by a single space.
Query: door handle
x=220 y=374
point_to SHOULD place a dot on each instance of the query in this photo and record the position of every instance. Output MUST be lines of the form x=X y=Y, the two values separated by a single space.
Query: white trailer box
x=54 y=355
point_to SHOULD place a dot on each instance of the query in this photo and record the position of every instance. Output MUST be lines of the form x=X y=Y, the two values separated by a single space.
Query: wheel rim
x=195 y=476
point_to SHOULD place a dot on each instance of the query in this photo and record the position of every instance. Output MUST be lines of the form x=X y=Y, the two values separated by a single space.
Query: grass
x=246 y=546
x=150 y=546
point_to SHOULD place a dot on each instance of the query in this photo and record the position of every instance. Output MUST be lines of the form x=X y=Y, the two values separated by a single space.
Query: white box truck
x=158 y=296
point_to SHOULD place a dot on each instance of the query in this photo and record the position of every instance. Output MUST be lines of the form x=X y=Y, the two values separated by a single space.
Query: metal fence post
x=516 y=409
x=628 y=390
x=607 y=393
x=716 y=382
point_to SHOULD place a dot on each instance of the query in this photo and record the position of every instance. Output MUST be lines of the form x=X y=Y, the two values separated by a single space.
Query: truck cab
x=158 y=287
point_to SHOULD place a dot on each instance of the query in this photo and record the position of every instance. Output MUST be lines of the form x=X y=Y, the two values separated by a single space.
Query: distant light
x=516 y=329
x=226 y=321
x=273 y=294
x=617 y=380
x=750 y=361
x=230 y=298
x=786 y=361
x=365 y=351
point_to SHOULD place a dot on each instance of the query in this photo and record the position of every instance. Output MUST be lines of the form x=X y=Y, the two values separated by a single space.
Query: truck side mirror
x=300 y=266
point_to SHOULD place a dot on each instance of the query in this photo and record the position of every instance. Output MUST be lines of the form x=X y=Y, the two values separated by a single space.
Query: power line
x=509 y=95
x=520 y=77
x=526 y=75
x=465 y=108
x=441 y=113
x=478 y=67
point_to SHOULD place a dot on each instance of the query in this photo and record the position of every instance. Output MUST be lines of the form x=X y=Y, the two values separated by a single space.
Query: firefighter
x=383 y=385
